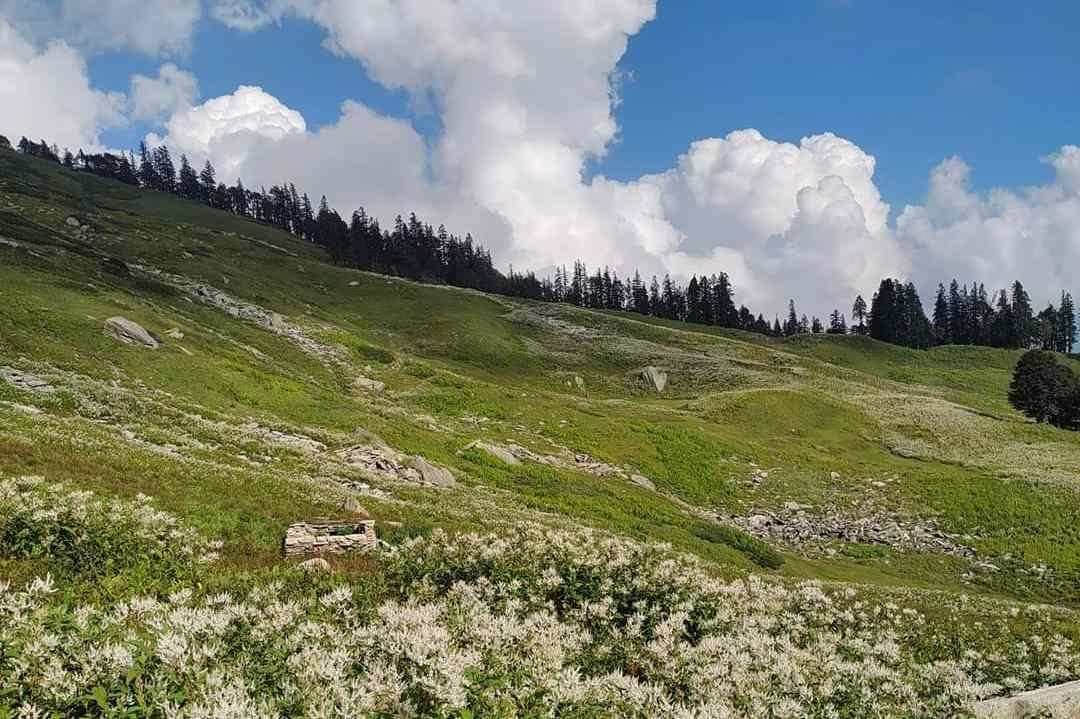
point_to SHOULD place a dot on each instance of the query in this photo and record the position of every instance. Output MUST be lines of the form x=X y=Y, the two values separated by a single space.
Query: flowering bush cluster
x=79 y=531
x=544 y=623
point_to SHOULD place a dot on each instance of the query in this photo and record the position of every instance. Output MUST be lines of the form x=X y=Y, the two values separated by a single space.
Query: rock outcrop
x=128 y=332
x=385 y=462
x=655 y=378
x=24 y=380
x=371 y=385
x=1058 y=702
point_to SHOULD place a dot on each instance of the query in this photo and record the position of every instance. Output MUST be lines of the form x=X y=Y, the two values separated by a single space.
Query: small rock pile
x=795 y=526
x=385 y=462
x=324 y=537
x=24 y=380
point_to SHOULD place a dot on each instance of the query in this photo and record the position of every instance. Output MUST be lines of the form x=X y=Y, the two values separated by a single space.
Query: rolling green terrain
x=242 y=422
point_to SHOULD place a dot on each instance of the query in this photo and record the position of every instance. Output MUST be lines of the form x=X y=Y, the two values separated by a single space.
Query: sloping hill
x=283 y=386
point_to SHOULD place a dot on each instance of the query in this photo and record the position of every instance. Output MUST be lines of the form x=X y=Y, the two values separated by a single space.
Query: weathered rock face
x=323 y=537
x=1060 y=702
x=515 y=454
x=655 y=378
x=502 y=454
x=24 y=380
x=386 y=462
x=371 y=385
x=432 y=474
x=128 y=332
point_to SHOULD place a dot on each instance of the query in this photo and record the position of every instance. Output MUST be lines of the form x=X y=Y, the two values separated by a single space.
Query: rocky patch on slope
x=797 y=525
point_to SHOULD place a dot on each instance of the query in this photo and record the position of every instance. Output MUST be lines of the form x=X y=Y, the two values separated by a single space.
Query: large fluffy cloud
x=525 y=95
x=153 y=98
x=149 y=26
x=46 y=94
x=1032 y=235
x=230 y=127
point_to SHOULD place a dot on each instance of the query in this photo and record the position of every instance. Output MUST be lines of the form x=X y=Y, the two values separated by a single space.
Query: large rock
x=130 y=332
x=502 y=454
x=1060 y=702
x=655 y=377
x=432 y=474
x=371 y=385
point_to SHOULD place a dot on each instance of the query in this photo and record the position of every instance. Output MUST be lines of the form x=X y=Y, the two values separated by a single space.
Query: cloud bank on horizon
x=526 y=95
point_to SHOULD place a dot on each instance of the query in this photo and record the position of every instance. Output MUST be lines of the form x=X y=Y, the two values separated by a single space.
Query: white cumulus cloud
x=525 y=94
x=996 y=237
x=171 y=91
x=229 y=127
x=152 y=27
x=45 y=94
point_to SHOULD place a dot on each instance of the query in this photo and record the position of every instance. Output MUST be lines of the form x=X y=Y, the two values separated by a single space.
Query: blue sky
x=808 y=148
x=911 y=83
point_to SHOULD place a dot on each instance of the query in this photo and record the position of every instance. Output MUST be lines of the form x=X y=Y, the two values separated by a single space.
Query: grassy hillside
x=241 y=423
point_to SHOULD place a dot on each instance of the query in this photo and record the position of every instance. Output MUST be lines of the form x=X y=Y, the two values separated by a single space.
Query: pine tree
x=189 y=187
x=1022 y=318
x=942 y=328
x=1066 y=324
x=858 y=314
x=208 y=180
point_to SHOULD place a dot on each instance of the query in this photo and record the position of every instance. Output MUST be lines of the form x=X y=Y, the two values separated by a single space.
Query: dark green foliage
x=1043 y=388
x=758 y=551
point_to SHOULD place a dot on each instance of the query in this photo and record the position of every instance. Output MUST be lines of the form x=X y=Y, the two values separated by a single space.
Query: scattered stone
x=834 y=476
x=516 y=454
x=296 y=441
x=655 y=377
x=73 y=221
x=315 y=564
x=326 y=537
x=1059 y=702
x=371 y=385
x=865 y=524
x=129 y=332
x=175 y=333
x=386 y=462
x=500 y=453
x=432 y=474
x=24 y=408
x=115 y=267
x=354 y=283
x=579 y=382
x=8 y=242
x=643 y=482
x=24 y=380
x=352 y=506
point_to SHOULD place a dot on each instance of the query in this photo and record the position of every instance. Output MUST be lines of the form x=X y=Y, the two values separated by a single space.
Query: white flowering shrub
x=72 y=530
x=544 y=623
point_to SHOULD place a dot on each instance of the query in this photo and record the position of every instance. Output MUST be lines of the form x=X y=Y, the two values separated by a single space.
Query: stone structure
x=320 y=536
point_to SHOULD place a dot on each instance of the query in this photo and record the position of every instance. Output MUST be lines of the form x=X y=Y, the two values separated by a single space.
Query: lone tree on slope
x=1042 y=388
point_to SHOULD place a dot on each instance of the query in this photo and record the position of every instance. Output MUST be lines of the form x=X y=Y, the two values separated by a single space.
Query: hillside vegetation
x=828 y=525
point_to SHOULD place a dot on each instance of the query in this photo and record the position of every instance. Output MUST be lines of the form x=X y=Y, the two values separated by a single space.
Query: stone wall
x=317 y=537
